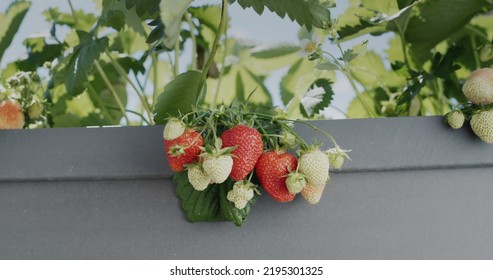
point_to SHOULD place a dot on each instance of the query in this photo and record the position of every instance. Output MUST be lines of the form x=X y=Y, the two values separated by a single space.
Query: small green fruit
x=478 y=88
x=482 y=125
x=455 y=119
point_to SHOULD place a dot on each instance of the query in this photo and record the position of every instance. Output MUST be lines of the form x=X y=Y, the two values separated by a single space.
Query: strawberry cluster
x=20 y=105
x=239 y=153
x=478 y=89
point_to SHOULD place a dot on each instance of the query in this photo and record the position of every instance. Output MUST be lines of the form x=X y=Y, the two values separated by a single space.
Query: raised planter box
x=414 y=190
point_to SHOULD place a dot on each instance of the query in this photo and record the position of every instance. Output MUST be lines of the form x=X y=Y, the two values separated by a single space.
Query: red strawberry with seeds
x=271 y=169
x=249 y=148
x=184 y=149
x=11 y=115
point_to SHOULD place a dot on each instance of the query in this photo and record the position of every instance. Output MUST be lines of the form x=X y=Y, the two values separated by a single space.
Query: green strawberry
x=455 y=119
x=486 y=53
x=173 y=129
x=478 y=88
x=482 y=125
x=337 y=156
x=314 y=164
x=198 y=178
x=295 y=182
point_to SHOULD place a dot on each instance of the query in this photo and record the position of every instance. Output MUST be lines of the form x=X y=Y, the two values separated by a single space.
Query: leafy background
x=120 y=55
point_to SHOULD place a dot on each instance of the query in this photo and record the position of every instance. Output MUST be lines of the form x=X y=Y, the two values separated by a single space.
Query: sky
x=267 y=29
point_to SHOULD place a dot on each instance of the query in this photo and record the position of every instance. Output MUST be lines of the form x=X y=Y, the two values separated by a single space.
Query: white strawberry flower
x=309 y=46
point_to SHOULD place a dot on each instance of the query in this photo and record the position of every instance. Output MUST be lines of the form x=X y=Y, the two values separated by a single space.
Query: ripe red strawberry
x=249 y=148
x=11 y=115
x=184 y=149
x=271 y=169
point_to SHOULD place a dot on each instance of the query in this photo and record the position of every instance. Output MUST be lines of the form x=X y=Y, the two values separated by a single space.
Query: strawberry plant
x=174 y=63
x=243 y=154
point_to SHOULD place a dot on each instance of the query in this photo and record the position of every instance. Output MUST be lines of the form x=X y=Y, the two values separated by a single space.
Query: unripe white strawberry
x=478 y=88
x=198 y=178
x=314 y=164
x=482 y=125
x=218 y=167
x=173 y=129
x=455 y=119
x=312 y=193
x=242 y=192
x=337 y=156
x=486 y=53
x=287 y=139
x=295 y=182
x=35 y=110
x=11 y=115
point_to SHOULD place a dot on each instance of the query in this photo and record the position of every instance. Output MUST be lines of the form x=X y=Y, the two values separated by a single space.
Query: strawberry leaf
x=10 y=23
x=305 y=12
x=178 y=97
x=317 y=98
x=228 y=209
x=198 y=205
x=82 y=62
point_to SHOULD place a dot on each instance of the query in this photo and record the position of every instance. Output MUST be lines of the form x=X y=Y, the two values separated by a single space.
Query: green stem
x=76 y=21
x=359 y=95
x=132 y=112
x=476 y=55
x=123 y=73
x=319 y=130
x=155 y=72
x=194 y=40
x=176 y=69
x=112 y=90
x=221 y=73
x=98 y=102
x=210 y=59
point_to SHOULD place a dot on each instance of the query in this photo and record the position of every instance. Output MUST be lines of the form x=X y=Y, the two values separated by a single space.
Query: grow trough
x=415 y=189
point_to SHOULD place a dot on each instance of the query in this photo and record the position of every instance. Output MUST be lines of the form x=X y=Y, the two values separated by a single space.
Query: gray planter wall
x=414 y=190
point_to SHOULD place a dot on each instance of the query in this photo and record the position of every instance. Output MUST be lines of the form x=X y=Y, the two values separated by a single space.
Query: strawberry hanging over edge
x=271 y=169
x=249 y=148
x=184 y=149
x=11 y=115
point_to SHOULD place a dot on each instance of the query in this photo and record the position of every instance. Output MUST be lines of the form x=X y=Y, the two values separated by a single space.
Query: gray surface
x=423 y=206
x=137 y=152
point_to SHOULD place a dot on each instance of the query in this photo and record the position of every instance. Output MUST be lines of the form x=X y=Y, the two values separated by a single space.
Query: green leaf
x=145 y=8
x=295 y=84
x=82 y=62
x=434 y=20
x=179 y=96
x=207 y=15
x=370 y=71
x=276 y=51
x=356 y=109
x=228 y=209
x=198 y=205
x=317 y=98
x=305 y=12
x=85 y=21
x=116 y=15
x=10 y=23
x=38 y=53
x=327 y=66
x=172 y=12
